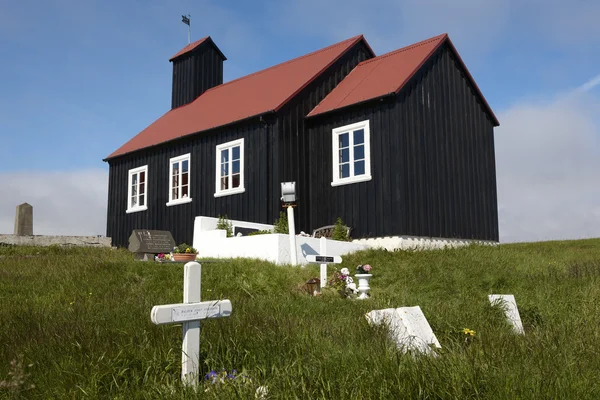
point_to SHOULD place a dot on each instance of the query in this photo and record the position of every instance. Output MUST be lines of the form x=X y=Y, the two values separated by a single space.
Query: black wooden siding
x=432 y=162
x=294 y=149
x=276 y=150
x=179 y=219
x=196 y=72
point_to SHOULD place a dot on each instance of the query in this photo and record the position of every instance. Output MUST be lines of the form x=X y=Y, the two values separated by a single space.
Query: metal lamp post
x=288 y=196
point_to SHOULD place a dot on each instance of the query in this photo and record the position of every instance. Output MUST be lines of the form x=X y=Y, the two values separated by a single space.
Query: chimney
x=196 y=68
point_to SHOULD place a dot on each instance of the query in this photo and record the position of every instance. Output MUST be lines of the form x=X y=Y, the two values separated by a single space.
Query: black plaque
x=324 y=259
x=148 y=241
x=244 y=231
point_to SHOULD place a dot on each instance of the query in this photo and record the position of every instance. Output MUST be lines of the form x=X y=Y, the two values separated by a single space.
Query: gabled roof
x=252 y=95
x=387 y=74
x=195 y=44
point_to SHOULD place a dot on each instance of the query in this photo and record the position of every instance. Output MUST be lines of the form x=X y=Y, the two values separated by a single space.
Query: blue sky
x=80 y=78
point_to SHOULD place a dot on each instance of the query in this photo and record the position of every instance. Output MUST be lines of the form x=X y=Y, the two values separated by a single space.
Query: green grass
x=78 y=321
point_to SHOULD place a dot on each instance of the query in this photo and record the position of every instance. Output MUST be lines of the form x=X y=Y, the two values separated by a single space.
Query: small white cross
x=323 y=260
x=190 y=313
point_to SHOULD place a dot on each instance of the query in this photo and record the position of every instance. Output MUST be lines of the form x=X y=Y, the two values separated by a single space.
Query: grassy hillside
x=76 y=324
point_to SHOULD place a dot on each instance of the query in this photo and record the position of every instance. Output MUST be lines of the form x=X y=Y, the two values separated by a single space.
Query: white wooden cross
x=323 y=260
x=190 y=312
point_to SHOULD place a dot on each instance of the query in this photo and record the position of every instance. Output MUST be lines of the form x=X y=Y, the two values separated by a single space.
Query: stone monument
x=24 y=220
x=144 y=243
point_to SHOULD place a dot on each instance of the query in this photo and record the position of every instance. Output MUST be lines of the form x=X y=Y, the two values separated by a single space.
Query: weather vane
x=186 y=20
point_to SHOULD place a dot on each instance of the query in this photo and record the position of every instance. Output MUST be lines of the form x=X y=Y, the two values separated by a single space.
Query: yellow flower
x=188 y=250
x=468 y=331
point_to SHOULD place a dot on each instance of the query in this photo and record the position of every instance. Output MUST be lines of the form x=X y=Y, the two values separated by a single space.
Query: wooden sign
x=318 y=259
x=190 y=313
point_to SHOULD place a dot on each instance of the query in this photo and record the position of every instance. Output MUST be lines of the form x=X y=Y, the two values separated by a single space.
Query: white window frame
x=180 y=159
x=336 y=180
x=229 y=145
x=132 y=172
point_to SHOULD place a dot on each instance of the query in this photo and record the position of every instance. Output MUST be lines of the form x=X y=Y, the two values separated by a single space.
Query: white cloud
x=64 y=203
x=389 y=24
x=548 y=158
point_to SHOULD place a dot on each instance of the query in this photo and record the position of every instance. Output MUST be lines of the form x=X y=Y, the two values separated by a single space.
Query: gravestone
x=509 y=305
x=323 y=260
x=190 y=313
x=408 y=328
x=24 y=220
x=146 y=243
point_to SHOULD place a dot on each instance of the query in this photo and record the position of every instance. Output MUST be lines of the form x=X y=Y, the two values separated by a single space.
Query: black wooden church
x=396 y=145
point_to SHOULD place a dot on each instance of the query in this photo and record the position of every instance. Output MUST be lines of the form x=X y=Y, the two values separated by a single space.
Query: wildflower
x=211 y=376
x=468 y=331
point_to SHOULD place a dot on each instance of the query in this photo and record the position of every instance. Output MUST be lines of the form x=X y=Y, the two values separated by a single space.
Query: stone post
x=24 y=220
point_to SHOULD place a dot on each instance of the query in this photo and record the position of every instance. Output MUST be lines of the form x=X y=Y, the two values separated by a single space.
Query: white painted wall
x=392 y=243
x=213 y=243
x=202 y=224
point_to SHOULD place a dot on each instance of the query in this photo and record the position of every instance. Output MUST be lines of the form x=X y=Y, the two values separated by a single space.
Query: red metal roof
x=249 y=96
x=387 y=74
x=189 y=47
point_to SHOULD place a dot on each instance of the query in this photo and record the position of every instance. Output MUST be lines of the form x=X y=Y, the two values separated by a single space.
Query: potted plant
x=363 y=274
x=184 y=252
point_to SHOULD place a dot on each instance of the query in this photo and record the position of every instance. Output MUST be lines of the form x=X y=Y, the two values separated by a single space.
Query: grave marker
x=509 y=305
x=190 y=313
x=24 y=220
x=408 y=327
x=323 y=260
x=145 y=243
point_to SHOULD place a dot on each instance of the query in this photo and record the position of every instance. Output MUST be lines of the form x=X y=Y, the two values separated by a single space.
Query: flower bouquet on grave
x=363 y=269
x=343 y=283
x=184 y=252
x=231 y=384
x=162 y=257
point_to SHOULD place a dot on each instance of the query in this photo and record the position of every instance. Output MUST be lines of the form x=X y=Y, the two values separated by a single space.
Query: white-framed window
x=137 y=189
x=351 y=153
x=230 y=168
x=179 y=180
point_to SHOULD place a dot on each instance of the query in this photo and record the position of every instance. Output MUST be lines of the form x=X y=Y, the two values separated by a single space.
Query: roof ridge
x=409 y=47
x=284 y=63
x=188 y=47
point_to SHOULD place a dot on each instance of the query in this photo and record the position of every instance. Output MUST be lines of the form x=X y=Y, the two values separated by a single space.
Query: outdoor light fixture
x=312 y=286
x=288 y=192
x=288 y=197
